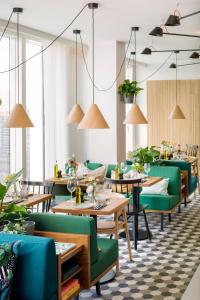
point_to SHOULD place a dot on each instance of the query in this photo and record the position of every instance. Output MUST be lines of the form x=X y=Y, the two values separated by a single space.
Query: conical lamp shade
x=18 y=118
x=93 y=119
x=135 y=116
x=176 y=113
x=76 y=115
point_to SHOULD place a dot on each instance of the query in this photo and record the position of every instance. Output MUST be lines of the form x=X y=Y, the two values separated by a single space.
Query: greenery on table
x=129 y=88
x=143 y=155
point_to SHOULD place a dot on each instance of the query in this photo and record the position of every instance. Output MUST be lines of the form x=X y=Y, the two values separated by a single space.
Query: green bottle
x=56 y=170
x=117 y=171
x=78 y=194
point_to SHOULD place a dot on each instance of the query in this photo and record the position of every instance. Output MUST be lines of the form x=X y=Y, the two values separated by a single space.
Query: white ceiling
x=113 y=20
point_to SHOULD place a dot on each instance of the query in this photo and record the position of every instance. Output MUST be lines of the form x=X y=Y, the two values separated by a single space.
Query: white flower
x=90 y=189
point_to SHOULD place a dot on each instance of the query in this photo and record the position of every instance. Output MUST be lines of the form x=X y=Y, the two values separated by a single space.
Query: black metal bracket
x=93 y=5
x=135 y=28
x=76 y=31
x=18 y=10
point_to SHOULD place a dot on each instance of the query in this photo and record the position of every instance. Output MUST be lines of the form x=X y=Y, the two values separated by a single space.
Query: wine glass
x=123 y=167
x=147 y=168
x=71 y=186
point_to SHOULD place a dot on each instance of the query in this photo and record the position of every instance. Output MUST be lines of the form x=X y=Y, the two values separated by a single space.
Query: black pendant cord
x=7 y=24
x=120 y=69
x=49 y=45
x=76 y=73
x=135 y=62
x=93 y=55
x=176 y=80
x=18 y=57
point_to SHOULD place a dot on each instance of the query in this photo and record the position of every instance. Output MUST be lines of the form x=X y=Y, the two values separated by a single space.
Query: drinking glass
x=123 y=167
x=71 y=186
x=147 y=168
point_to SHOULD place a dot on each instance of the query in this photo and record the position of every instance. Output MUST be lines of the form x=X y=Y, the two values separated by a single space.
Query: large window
x=4 y=109
x=34 y=107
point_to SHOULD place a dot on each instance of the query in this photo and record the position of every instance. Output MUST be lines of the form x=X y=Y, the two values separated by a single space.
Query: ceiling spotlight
x=173 y=20
x=172 y=66
x=194 y=55
x=146 y=51
x=157 y=31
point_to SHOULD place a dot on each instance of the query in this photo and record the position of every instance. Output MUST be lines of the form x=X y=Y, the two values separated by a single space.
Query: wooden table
x=114 y=205
x=36 y=199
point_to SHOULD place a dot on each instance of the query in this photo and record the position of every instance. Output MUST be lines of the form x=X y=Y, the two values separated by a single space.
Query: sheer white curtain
x=58 y=94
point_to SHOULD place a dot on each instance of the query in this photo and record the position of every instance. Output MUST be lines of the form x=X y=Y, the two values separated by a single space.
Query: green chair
x=103 y=252
x=164 y=204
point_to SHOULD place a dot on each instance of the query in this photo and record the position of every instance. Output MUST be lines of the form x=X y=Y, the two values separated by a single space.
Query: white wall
x=102 y=145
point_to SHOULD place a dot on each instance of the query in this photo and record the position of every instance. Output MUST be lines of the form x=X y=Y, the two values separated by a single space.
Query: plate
x=83 y=205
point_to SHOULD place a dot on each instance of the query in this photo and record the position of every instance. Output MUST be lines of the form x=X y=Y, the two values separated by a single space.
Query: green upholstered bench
x=184 y=166
x=103 y=252
x=36 y=273
x=164 y=204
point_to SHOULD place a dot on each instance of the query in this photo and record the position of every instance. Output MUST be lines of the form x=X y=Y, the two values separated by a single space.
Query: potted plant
x=128 y=90
x=12 y=216
x=142 y=156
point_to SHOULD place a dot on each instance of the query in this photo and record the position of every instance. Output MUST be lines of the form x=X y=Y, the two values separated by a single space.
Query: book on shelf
x=68 y=268
x=70 y=288
x=62 y=248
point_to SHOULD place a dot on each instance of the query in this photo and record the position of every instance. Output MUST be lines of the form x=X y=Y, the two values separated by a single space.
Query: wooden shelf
x=71 y=276
x=69 y=254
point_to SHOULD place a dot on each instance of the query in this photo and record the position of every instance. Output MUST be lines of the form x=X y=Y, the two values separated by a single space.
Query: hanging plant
x=128 y=90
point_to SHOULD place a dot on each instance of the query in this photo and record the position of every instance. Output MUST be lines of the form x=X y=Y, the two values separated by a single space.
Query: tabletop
x=114 y=205
x=35 y=199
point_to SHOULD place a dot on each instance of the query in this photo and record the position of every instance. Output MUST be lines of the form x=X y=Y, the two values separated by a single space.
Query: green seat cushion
x=94 y=166
x=108 y=253
x=159 y=202
x=193 y=184
x=68 y=224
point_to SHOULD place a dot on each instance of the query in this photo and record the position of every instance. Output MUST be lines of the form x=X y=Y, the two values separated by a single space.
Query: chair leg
x=162 y=222
x=147 y=225
x=185 y=201
x=117 y=238
x=179 y=209
x=127 y=233
x=170 y=217
x=98 y=288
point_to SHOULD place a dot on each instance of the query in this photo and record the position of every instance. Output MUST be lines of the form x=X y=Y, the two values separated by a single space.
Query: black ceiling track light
x=174 y=66
x=195 y=55
x=158 y=31
x=174 y=20
x=148 y=51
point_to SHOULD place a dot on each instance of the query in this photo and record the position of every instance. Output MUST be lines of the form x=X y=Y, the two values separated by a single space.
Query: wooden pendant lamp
x=76 y=114
x=176 y=113
x=93 y=118
x=18 y=117
x=135 y=115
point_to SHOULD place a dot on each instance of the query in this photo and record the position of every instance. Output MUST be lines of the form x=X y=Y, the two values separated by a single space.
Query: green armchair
x=164 y=204
x=103 y=251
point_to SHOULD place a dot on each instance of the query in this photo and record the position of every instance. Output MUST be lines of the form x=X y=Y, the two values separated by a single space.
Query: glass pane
x=4 y=109
x=34 y=108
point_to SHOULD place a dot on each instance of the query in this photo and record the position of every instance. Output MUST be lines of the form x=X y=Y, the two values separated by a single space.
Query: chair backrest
x=68 y=224
x=93 y=166
x=173 y=173
x=191 y=150
x=39 y=187
x=36 y=273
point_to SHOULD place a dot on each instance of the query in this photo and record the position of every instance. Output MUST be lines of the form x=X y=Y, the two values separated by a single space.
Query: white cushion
x=160 y=188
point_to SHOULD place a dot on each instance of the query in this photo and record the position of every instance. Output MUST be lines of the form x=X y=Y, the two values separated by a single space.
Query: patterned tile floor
x=161 y=268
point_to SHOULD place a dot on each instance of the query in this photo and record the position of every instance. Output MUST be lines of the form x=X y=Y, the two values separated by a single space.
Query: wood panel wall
x=160 y=102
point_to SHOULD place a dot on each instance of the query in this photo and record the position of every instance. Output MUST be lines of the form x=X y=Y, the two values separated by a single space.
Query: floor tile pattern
x=161 y=268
